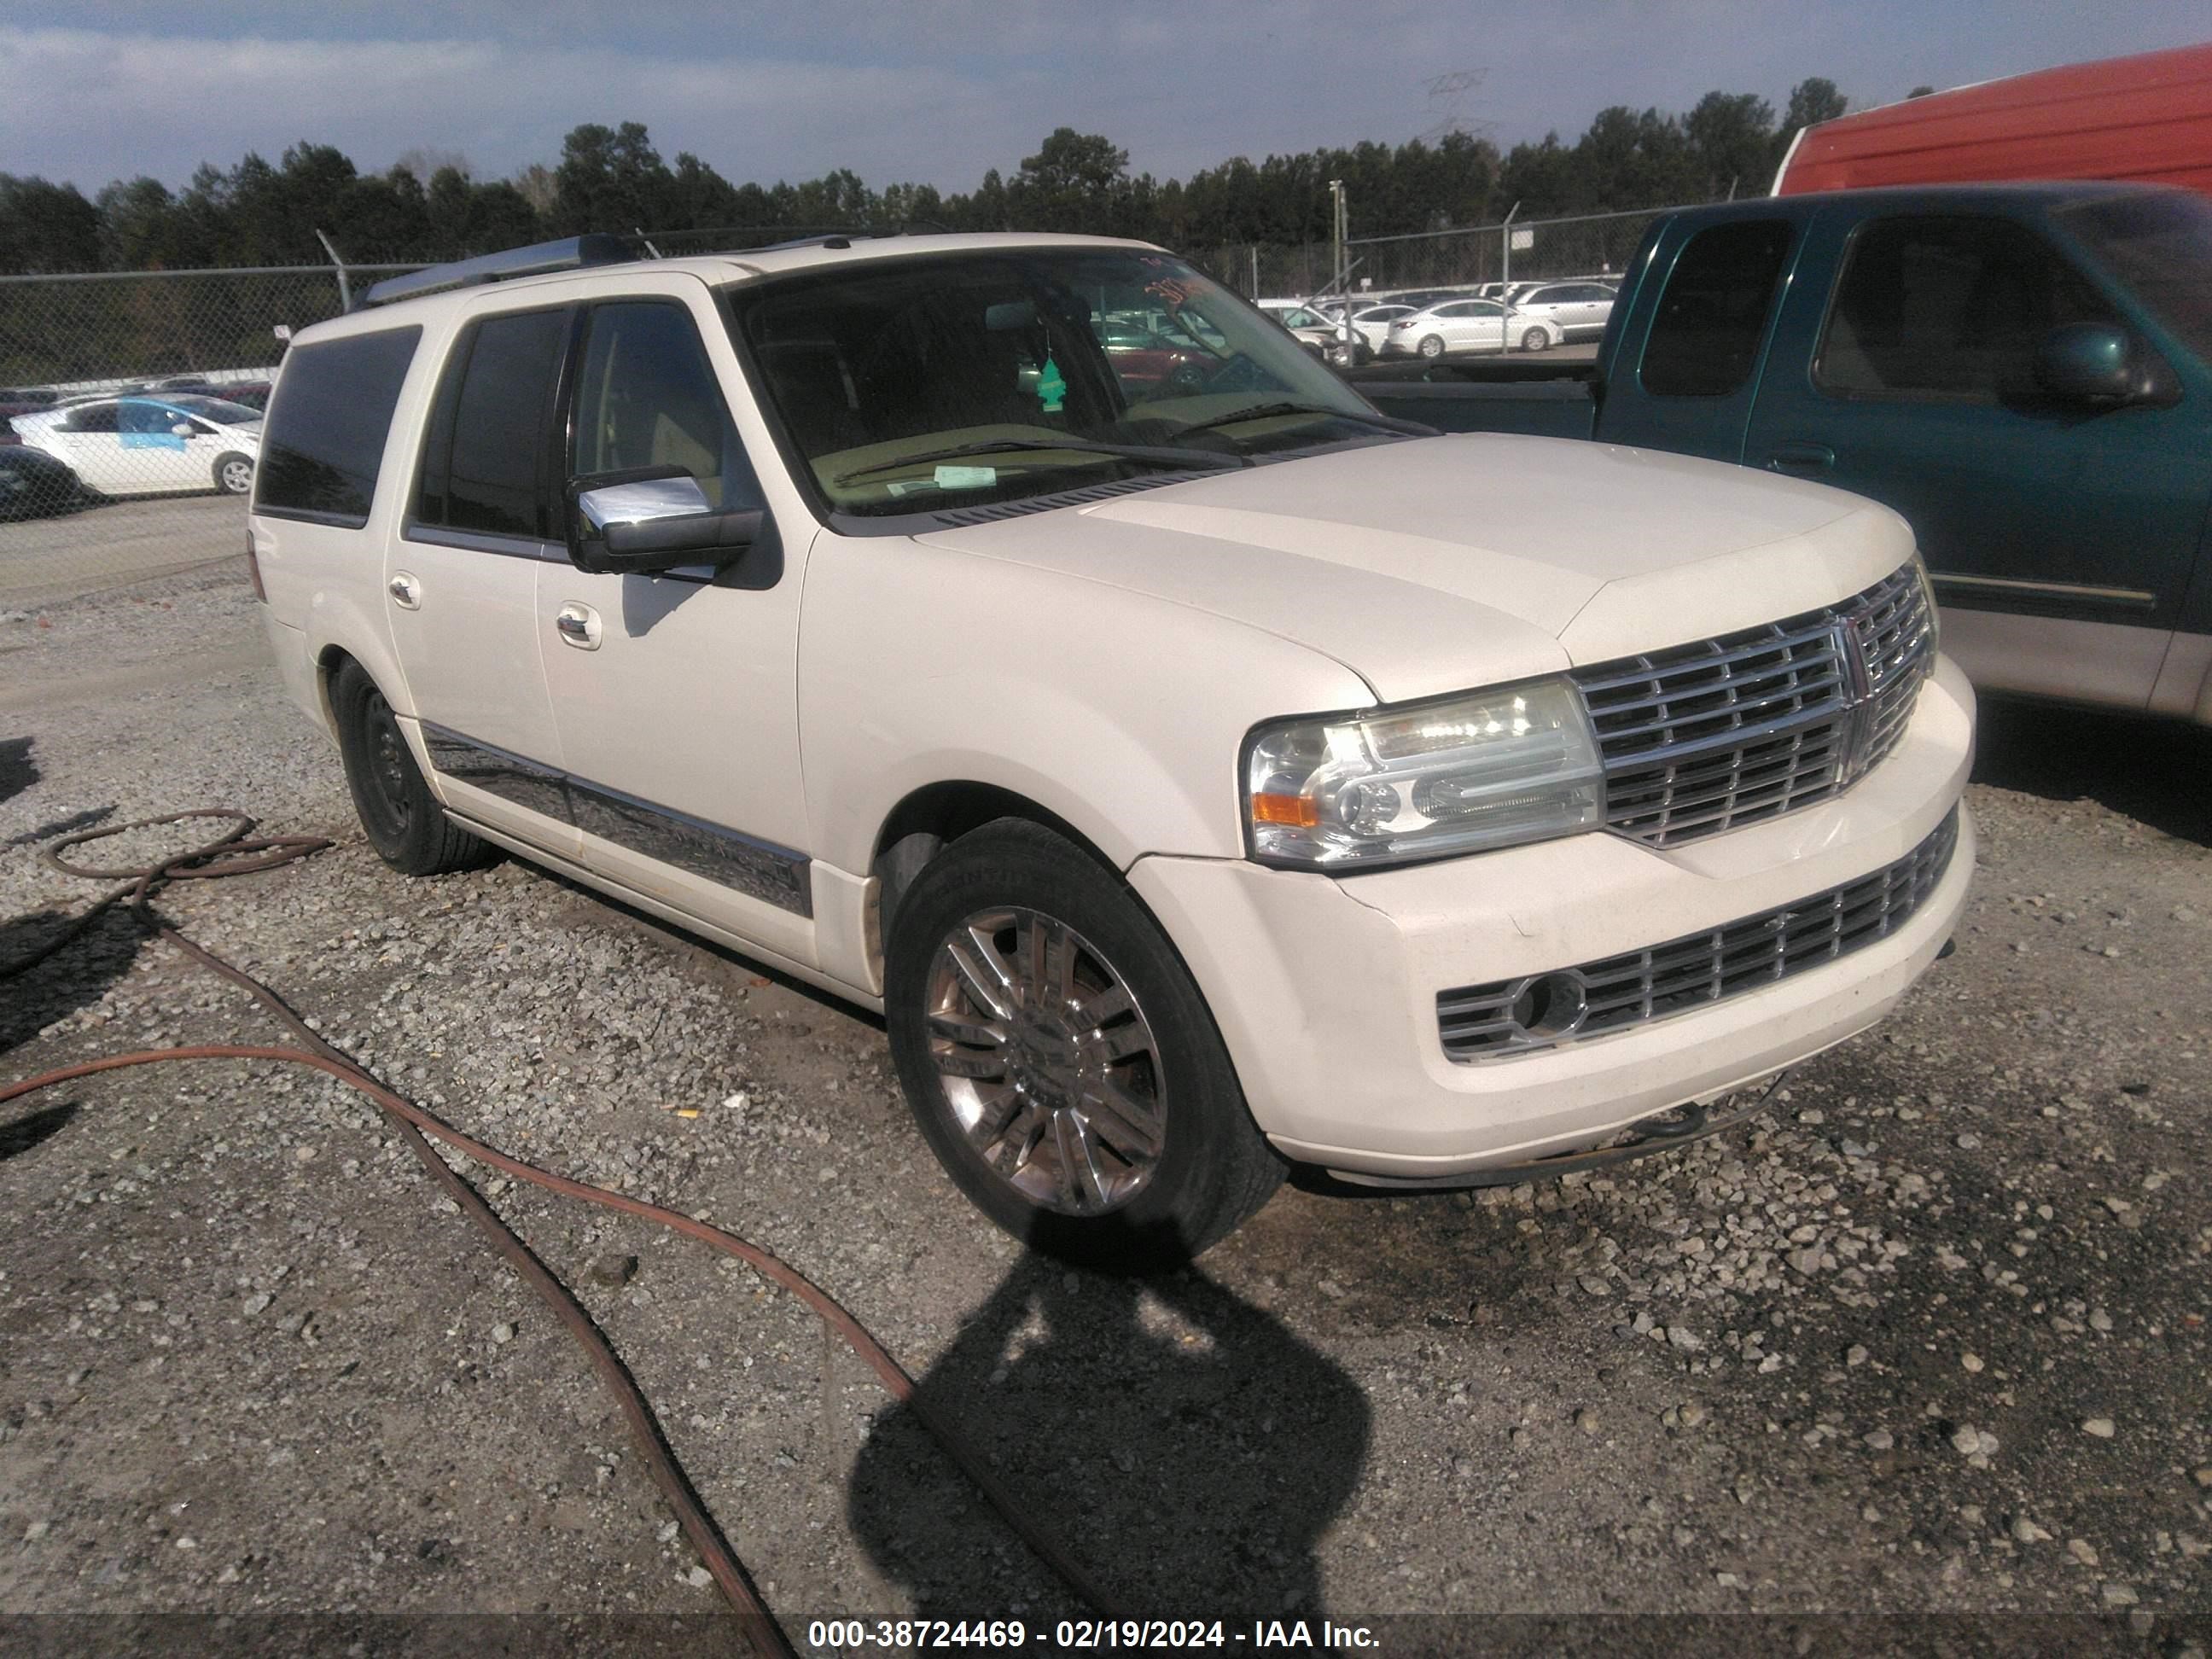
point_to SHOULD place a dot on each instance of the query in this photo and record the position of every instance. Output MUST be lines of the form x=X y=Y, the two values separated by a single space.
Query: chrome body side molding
x=730 y=858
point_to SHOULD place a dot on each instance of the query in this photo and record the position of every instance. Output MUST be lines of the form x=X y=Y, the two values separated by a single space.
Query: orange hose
x=234 y=853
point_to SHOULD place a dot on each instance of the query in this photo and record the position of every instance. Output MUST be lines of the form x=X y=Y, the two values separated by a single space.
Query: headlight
x=1425 y=779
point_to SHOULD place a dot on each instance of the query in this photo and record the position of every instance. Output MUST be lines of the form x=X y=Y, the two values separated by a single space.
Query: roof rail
x=570 y=253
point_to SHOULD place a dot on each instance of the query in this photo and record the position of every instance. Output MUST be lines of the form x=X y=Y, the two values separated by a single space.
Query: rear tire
x=1431 y=346
x=1060 y=1061
x=399 y=817
x=234 y=474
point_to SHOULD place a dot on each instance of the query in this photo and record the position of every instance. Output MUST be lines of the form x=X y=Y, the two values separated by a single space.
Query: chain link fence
x=131 y=403
x=1596 y=244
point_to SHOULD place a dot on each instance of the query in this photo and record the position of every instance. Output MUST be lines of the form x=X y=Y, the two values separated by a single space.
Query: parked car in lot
x=1373 y=324
x=1568 y=311
x=247 y=394
x=1196 y=783
x=151 y=445
x=1312 y=329
x=1454 y=326
x=32 y=484
x=2024 y=371
x=1152 y=361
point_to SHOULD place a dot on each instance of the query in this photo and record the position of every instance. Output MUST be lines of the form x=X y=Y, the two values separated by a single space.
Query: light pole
x=1338 y=226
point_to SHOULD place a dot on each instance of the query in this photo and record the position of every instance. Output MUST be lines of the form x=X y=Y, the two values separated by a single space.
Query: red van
x=2147 y=119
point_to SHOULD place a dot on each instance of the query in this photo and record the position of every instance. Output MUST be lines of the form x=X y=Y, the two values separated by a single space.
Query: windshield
x=2160 y=244
x=1045 y=368
x=221 y=410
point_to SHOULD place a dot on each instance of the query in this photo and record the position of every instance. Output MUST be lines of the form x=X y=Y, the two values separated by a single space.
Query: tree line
x=430 y=207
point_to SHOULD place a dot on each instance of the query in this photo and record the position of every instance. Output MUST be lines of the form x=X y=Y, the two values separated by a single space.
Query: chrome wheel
x=1046 y=1065
x=235 y=476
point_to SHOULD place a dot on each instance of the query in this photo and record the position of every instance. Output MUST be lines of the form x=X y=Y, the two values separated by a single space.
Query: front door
x=461 y=582
x=156 y=453
x=2061 y=535
x=676 y=696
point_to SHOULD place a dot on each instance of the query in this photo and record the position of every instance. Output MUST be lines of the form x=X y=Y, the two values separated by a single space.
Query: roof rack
x=570 y=253
x=844 y=239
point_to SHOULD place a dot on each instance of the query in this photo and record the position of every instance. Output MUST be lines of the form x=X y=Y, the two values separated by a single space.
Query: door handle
x=578 y=625
x=406 y=593
x=1799 y=454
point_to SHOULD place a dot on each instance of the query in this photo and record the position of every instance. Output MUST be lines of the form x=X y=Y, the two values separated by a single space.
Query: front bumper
x=1324 y=988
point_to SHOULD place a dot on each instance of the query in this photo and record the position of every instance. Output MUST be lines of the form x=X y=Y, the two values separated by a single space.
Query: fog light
x=1550 y=1006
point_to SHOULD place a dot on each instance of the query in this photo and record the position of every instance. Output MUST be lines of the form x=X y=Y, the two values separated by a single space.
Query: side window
x=323 y=443
x=484 y=462
x=1949 y=308
x=1714 y=310
x=93 y=418
x=647 y=395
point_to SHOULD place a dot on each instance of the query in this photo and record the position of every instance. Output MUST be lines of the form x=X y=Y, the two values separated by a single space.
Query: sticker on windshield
x=966 y=477
x=1052 y=390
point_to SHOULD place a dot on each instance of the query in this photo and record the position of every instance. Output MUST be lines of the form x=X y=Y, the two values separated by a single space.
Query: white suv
x=1201 y=772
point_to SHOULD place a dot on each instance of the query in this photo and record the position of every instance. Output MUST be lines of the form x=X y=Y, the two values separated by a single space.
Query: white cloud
x=89 y=106
x=937 y=91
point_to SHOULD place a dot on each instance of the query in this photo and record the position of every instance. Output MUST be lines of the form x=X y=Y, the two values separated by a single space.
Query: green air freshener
x=1052 y=390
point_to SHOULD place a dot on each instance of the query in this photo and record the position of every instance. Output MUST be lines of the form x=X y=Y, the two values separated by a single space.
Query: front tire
x=234 y=474
x=1536 y=340
x=399 y=817
x=1059 y=1060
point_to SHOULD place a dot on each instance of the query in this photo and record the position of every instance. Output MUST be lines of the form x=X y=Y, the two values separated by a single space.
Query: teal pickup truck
x=2024 y=371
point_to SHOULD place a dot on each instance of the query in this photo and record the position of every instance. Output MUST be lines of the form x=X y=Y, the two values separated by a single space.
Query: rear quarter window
x=323 y=443
x=1714 y=311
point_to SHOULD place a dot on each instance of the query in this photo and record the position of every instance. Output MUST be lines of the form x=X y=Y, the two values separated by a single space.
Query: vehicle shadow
x=18 y=771
x=73 y=977
x=2151 y=770
x=1186 y=1447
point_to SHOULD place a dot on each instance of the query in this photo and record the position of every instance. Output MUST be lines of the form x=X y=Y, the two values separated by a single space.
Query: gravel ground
x=111 y=544
x=1930 y=1337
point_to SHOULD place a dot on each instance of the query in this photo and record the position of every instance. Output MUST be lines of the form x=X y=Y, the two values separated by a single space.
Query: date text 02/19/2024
x=1077 y=1634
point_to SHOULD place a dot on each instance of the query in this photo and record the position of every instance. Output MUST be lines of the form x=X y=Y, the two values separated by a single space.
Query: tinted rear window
x=484 y=464
x=1713 y=314
x=324 y=443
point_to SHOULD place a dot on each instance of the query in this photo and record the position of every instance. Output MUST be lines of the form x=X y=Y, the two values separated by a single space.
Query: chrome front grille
x=1714 y=735
x=1541 y=1010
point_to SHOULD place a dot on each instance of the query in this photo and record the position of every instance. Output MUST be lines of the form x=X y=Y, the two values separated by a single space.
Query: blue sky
x=936 y=91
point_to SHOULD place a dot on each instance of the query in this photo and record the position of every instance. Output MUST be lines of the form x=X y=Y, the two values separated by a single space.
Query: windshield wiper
x=1265 y=411
x=1155 y=454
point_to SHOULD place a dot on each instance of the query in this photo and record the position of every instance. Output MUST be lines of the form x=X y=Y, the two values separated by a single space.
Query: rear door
x=1470 y=324
x=461 y=579
x=90 y=438
x=1585 y=315
x=2061 y=535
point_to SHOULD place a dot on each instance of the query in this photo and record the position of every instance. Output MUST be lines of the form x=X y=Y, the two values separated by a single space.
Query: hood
x=1441 y=563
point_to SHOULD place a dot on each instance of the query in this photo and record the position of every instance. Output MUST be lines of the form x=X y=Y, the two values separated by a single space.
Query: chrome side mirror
x=652 y=520
x=644 y=500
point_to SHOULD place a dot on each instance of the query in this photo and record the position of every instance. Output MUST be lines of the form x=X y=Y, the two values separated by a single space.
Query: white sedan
x=1450 y=326
x=143 y=446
